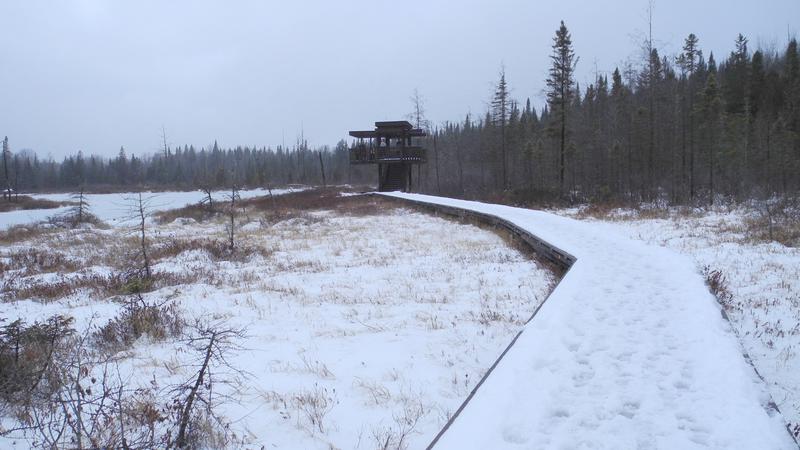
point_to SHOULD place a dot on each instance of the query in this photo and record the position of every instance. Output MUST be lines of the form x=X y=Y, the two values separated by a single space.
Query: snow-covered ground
x=629 y=351
x=113 y=208
x=763 y=278
x=383 y=322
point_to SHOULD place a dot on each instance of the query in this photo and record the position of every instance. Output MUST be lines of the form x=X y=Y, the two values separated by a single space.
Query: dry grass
x=101 y=285
x=330 y=199
x=24 y=202
x=33 y=260
x=198 y=212
x=283 y=207
x=19 y=233
x=618 y=211
x=217 y=249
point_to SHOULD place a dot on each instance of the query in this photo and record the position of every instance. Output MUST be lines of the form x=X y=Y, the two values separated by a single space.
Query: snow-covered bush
x=155 y=321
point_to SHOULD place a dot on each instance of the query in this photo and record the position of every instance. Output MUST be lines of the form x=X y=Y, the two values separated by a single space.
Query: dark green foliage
x=682 y=130
x=187 y=167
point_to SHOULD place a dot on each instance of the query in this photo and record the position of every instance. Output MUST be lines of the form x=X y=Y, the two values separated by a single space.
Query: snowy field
x=113 y=208
x=763 y=278
x=363 y=330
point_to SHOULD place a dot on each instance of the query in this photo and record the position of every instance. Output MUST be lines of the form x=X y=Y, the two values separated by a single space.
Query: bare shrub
x=395 y=437
x=76 y=402
x=487 y=316
x=77 y=398
x=379 y=393
x=778 y=219
x=315 y=404
x=316 y=367
x=718 y=284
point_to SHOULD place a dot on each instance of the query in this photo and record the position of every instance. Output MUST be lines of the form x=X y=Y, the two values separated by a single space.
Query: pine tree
x=690 y=61
x=791 y=114
x=560 y=93
x=711 y=113
x=500 y=118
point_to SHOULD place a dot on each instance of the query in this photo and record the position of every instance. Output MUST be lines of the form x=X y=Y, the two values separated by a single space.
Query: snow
x=113 y=208
x=629 y=351
x=389 y=328
x=763 y=278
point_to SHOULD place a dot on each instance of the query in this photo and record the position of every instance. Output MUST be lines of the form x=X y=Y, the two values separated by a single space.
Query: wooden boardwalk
x=629 y=351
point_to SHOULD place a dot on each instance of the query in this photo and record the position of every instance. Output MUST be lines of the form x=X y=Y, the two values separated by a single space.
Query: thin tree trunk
x=180 y=441
x=143 y=237
x=436 y=165
x=322 y=169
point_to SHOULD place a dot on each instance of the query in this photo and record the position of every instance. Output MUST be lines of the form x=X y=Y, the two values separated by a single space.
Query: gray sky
x=93 y=75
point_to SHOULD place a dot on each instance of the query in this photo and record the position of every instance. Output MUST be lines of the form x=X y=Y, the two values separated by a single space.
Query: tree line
x=681 y=128
x=184 y=167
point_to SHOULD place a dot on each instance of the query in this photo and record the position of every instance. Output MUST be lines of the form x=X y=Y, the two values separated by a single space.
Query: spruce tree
x=691 y=58
x=560 y=93
x=791 y=114
x=500 y=117
x=711 y=112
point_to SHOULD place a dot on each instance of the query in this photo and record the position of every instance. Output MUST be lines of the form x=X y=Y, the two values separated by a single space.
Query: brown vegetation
x=156 y=321
x=101 y=285
x=776 y=220
x=24 y=202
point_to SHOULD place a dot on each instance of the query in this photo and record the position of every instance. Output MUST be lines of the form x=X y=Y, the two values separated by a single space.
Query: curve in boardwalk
x=629 y=351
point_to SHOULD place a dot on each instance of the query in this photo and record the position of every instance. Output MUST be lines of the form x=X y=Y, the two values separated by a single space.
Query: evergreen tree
x=560 y=93
x=690 y=63
x=711 y=109
x=500 y=118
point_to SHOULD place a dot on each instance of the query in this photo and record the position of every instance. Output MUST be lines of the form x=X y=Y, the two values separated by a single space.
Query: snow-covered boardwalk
x=629 y=352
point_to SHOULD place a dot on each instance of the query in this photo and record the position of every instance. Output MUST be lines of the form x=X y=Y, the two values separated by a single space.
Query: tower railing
x=366 y=153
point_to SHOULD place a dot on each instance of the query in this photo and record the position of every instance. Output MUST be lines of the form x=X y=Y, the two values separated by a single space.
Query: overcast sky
x=95 y=75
